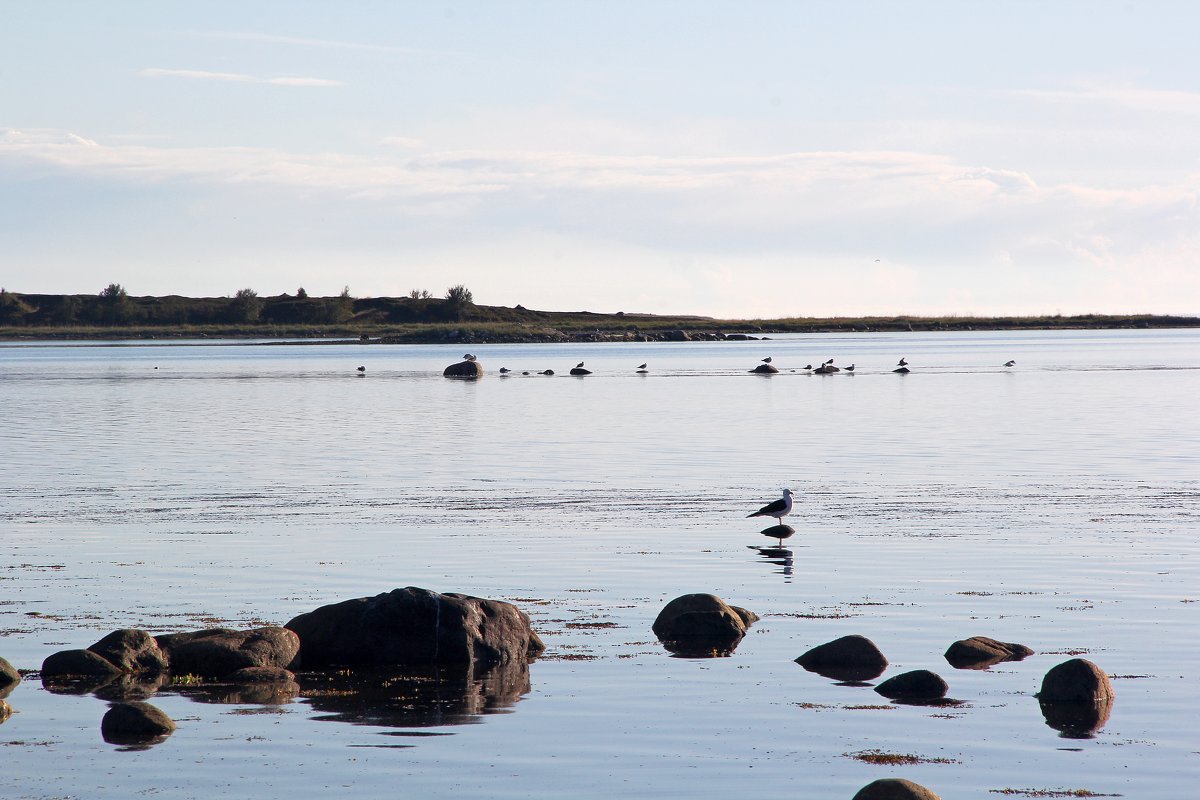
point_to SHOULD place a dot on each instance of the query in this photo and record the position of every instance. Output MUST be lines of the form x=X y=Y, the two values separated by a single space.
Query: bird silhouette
x=777 y=509
x=767 y=360
x=1010 y=363
x=850 y=368
x=901 y=363
x=360 y=369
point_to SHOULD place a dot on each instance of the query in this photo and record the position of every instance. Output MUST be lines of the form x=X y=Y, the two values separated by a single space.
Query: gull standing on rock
x=778 y=509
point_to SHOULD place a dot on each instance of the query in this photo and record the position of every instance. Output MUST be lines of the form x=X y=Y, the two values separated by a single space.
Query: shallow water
x=177 y=486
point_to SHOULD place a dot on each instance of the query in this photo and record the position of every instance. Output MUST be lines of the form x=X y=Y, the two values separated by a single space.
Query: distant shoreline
x=429 y=320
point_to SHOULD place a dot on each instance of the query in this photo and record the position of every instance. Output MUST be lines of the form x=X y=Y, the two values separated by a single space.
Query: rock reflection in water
x=702 y=646
x=1079 y=720
x=108 y=687
x=417 y=696
x=261 y=693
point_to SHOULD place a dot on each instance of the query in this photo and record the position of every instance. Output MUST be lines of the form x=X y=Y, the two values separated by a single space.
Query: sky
x=732 y=159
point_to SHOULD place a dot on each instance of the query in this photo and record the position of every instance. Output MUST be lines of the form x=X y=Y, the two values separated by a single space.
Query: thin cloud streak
x=331 y=44
x=237 y=77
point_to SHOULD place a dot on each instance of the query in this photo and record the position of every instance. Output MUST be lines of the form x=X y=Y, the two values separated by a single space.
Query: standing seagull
x=1010 y=363
x=361 y=370
x=642 y=369
x=850 y=368
x=767 y=360
x=778 y=509
x=468 y=357
x=902 y=362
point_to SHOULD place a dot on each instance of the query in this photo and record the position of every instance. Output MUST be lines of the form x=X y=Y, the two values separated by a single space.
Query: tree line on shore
x=115 y=307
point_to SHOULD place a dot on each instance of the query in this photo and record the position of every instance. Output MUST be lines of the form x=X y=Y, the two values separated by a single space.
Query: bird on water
x=902 y=362
x=1010 y=363
x=850 y=368
x=642 y=369
x=777 y=509
x=360 y=369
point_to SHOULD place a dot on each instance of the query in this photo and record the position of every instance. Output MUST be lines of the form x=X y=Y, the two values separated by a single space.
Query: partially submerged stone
x=850 y=658
x=217 y=652
x=135 y=723
x=69 y=664
x=415 y=626
x=980 y=652
x=765 y=369
x=5 y=711
x=1076 y=698
x=702 y=625
x=894 y=789
x=9 y=678
x=917 y=685
x=464 y=369
x=131 y=650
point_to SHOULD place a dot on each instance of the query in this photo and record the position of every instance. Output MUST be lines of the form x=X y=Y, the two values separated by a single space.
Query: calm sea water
x=177 y=486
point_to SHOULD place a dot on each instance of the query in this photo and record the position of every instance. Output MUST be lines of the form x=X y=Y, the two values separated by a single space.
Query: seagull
x=808 y=367
x=579 y=365
x=505 y=370
x=468 y=357
x=767 y=360
x=360 y=369
x=778 y=509
x=828 y=363
x=642 y=370
x=850 y=368
x=1010 y=363
x=902 y=363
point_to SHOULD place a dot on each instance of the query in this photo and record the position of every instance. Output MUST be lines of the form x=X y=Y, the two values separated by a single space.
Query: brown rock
x=135 y=723
x=1076 y=681
x=131 y=650
x=850 y=658
x=765 y=369
x=217 y=652
x=78 y=664
x=9 y=678
x=5 y=711
x=260 y=675
x=415 y=626
x=894 y=789
x=464 y=369
x=980 y=652
x=919 y=684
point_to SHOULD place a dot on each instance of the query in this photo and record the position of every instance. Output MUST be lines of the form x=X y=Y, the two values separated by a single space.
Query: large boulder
x=850 y=658
x=980 y=652
x=765 y=369
x=464 y=369
x=894 y=789
x=702 y=624
x=917 y=685
x=9 y=678
x=131 y=650
x=415 y=626
x=217 y=652
x=71 y=664
x=135 y=723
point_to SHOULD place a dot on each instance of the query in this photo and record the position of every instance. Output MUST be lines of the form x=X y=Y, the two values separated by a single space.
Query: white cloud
x=237 y=77
x=333 y=44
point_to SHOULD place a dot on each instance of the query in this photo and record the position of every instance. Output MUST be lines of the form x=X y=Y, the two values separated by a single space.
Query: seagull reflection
x=779 y=556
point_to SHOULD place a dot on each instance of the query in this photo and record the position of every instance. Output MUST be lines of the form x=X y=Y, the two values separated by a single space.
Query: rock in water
x=464 y=369
x=131 y=650
x=77 y=664
x=850 y=658
x=765 y=369
x=217 y=652
x=980 y=652
x=920 y=684
x=894 y=789
x=5 y=711
x=415 y=626
x=1076 y=698
x=135 y=723
x=9 y=678
x=702 y=625
x=1076 y=681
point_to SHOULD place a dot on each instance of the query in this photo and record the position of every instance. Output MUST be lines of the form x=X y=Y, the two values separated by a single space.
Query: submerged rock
x=779 y=532
x=68 y=664
x=1076 y=698
x=464 y=369
x=217 y=652
x=765 y=369
x=1076 y=681
x=131 y=650
x=980 y=652
x=702 y=625
x=850 y=658
x=919 y=684
x=135 y=723
x=9 y=678
x=415 y=626
x=894 y=789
